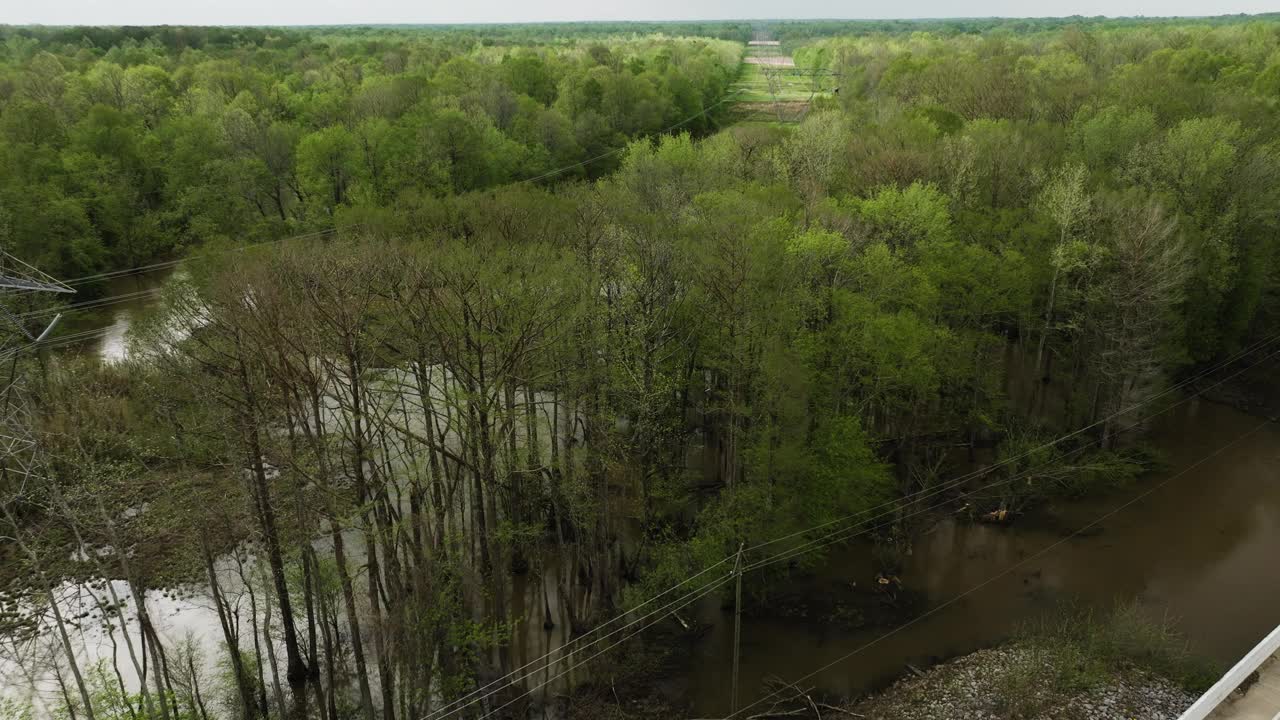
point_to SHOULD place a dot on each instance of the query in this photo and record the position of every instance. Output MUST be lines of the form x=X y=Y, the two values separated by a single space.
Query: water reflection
x=1202 y=549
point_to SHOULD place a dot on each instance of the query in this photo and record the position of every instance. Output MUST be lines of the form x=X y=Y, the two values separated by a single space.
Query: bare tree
x=1146 y=272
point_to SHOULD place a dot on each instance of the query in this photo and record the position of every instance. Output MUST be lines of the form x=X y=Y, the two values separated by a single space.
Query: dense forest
x=573 y=329
x=121 y=147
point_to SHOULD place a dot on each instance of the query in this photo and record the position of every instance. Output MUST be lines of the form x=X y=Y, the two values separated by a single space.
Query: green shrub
x=1087 y=648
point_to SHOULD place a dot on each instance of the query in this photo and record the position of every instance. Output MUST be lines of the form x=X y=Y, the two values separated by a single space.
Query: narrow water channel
x=115 y=306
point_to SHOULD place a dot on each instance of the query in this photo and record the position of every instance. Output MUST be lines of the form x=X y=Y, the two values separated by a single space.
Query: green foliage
x=1084 y=648
x=12 y=709
x=1037 y=471
x=904 y=219
x=793 y=482
x=226 y=687
x=121 y=153
x=110 y=702
x=735 y=335
x=1105 y=139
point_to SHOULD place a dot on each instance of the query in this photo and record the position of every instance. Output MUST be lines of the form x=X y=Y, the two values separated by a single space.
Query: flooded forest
x=625 y=370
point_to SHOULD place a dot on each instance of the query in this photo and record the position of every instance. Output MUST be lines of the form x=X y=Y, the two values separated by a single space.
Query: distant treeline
x=181 y=37
x=798 y=30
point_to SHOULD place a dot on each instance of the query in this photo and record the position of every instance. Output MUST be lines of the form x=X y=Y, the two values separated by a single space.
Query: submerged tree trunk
x=229 y=635
x=353 y=621
x=59 y=622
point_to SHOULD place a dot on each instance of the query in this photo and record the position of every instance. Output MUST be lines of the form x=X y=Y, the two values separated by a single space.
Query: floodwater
x=1196 y=542
x=117 y=305
x=1201 y=549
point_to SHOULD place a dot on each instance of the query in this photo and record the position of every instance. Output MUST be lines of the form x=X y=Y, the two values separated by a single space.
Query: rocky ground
x=1013 y=682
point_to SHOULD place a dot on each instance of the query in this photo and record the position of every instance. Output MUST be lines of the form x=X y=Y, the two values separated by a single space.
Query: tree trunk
x=228 y=632
x=353 y=622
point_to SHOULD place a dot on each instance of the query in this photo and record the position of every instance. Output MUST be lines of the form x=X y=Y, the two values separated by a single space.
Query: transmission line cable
x=843 y=533
x=1051 y=443
x=61 y=340
x=1021 y=563
x=91 y=304
x=503 y=681
x=172 y=263
x=822 y=541
x=86 y=335
x=550 y=173
x=779 y=557
x=678 y=603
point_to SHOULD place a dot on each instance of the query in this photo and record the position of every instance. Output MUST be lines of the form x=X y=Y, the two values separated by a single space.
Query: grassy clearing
x=777 y=95
x=754 y=85
x=786 y=101
x=768 y=113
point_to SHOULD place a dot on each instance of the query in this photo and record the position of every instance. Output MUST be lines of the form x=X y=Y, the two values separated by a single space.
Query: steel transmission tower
x=18 y=452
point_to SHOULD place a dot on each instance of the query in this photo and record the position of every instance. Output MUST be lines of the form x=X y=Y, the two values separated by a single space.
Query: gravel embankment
x=978 y=687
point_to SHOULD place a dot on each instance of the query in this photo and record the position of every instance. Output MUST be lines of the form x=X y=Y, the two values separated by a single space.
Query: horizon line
x=481 y=23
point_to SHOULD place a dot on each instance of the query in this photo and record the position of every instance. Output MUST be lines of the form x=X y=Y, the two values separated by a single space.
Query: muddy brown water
x=111 y=307
x=1203 y=550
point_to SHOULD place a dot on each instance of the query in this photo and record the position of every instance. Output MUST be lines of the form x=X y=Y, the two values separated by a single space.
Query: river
x=1201 y=549
x=116 y=305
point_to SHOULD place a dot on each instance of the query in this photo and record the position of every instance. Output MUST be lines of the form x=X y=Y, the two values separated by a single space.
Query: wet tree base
x=649 y=680
x=1253 y=391
x=645 y=681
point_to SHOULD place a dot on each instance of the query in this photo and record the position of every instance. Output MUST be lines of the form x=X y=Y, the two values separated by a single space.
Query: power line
x=678 y=603
x=72 y=338
x=847 y=533
x=711 y=588
x=126 y=272
x=75 y=338
x=172 y=263
x=982 y=471
x=61 y=340
x=81 y=337
x=1034 y=556
x=826 y=540
x=504 y=680
x=550 y=173
x=92 y=304
x=728 y=96
x=20 y=276
x=839 y=535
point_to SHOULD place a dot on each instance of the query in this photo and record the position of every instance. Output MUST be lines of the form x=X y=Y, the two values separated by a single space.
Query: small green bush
x=1086 y=648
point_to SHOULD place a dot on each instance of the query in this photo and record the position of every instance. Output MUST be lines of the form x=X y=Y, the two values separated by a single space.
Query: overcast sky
x=322 y=12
